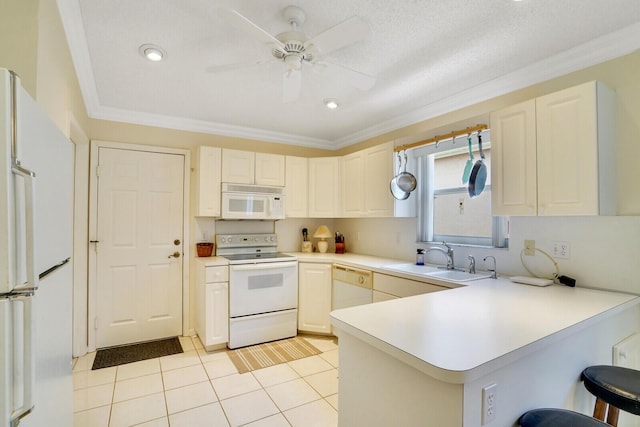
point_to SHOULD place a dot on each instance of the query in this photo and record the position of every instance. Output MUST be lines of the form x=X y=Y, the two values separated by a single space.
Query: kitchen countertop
x=213 y=261
x=462 y=334
x=472 y=329
x=372 y=263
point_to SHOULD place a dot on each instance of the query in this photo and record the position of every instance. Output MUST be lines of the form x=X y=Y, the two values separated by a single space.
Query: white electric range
x=263 y=289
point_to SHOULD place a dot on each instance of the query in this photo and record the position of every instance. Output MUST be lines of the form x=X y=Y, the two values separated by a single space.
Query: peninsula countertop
x=461 y=334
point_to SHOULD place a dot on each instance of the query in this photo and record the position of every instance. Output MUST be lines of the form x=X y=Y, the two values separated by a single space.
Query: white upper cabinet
x=238 y=166
x=208 y=178
x=353 y=185
x=570 y=148
x=270 y=169
x=575 y=151
x=324 y=187
x=365 y=182
x=247 y=167
x=297 y=187
x=514 y=190
x=378 y=172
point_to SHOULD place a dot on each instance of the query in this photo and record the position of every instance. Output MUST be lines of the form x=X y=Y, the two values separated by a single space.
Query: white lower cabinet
x=383 y=296
x=314 y=297
x=387 y=287
x=212 y=304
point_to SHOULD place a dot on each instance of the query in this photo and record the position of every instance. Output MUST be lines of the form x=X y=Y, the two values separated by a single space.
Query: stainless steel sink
x=457 y=276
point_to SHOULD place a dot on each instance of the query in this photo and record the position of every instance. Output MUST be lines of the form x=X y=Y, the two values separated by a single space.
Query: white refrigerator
x=36 y=217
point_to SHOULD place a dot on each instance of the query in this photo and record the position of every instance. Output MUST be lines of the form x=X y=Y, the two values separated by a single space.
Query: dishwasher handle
x=351 y=269
x=352 y=276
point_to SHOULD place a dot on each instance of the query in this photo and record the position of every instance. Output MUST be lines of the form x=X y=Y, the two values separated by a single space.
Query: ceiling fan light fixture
x=331 y=103
x=152 y=52
x=293 y=61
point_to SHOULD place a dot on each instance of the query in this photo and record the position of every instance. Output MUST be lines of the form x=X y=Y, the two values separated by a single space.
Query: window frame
x=425 y=213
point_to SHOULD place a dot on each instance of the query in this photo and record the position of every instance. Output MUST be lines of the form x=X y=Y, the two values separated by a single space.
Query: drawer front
x=401 y=287
x=216 y=274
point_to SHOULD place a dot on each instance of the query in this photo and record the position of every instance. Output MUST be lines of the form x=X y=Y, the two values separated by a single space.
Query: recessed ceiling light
x=331 y=103
x=152 y=52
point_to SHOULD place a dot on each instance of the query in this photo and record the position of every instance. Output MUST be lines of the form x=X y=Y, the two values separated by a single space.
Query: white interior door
x=140 y=249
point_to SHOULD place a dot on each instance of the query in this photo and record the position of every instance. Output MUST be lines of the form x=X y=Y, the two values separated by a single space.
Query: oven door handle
x=264 y=266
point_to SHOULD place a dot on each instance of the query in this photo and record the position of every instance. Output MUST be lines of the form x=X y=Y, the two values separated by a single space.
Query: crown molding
x=206 y=127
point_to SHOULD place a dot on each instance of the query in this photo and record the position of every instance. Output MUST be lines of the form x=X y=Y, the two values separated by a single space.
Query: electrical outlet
x=489 y=401
x=530 y=247
x=561 y=250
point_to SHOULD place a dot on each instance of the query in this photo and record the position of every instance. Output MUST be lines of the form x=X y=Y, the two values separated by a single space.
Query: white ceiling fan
x=295 y=49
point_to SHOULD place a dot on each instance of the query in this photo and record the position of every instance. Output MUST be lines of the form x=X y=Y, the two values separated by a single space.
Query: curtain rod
x=437 y=138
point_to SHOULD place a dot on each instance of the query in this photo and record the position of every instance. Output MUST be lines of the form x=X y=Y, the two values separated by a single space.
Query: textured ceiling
x=428 y=56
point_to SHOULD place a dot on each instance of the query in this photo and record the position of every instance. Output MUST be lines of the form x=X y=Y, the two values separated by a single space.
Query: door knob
x=176 y=242
x=174 y=255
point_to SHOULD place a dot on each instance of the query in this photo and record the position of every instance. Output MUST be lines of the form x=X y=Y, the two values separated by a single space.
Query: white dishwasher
x=351 y=286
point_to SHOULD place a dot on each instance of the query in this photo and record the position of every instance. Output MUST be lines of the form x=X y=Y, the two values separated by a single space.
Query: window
x=446 y=211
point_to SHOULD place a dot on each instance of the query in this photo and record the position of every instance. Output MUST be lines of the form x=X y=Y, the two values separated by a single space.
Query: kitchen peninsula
x=424 y=360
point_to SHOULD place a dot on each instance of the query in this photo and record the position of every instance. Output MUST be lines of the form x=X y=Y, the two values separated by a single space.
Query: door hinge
x=98 y=169
x=95 y=323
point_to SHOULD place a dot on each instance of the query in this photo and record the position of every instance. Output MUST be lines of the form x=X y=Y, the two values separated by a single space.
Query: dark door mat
x=114 y=356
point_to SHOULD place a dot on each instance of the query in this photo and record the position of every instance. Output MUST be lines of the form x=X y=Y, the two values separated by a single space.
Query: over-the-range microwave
x=244 y=201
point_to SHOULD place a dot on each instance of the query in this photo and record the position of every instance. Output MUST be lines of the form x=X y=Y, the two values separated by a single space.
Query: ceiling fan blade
x=355 y=78
x=216 y=69
x=343 y=34
x=291 y=84
x=244 y=24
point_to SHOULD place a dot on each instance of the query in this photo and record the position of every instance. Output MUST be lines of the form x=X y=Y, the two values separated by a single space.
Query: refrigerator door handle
x=29 y=176
x=25 y=375
x=53 y=268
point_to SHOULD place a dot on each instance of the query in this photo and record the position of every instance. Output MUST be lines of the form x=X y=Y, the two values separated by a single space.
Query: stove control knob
x=272 y=239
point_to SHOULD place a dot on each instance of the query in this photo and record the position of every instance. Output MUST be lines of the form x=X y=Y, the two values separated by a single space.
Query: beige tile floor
x=197 y=388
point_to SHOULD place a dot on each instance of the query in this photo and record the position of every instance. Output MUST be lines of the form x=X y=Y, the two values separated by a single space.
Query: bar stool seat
x=558 y=418
x=615 y=386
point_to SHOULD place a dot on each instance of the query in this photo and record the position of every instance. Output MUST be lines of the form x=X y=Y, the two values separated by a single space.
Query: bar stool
x=614 y=387
x=557 y=418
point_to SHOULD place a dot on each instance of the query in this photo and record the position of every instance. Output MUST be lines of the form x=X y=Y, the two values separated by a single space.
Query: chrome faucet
x=472 y=264
x=446 y=252
x=494 y=274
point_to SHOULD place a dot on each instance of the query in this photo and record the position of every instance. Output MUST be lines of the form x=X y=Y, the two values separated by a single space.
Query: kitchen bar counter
x=462 y=334
x=428 y=357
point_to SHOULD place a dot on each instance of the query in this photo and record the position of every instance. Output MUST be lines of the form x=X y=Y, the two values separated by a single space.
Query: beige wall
x=19 y=39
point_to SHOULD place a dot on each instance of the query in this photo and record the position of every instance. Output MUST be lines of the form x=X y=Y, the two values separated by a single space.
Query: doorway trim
x=93 y=216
